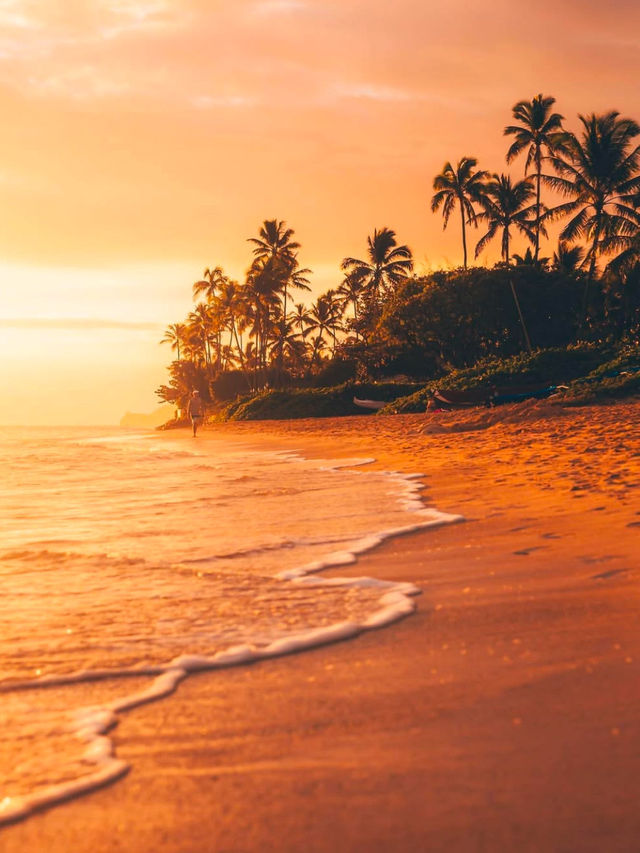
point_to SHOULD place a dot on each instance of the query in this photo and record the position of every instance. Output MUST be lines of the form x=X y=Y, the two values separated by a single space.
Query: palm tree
x=386 y=267
x=506 y=205
x=568 y=260
x=461 y=186
x=528 y=259
x=600 y=172
x=350 y=293
x=292 y=276
x=210 y=283
x=204 y=327
x=324 y=317
x=335 y=307
x=275 y=247
x=230 y=305
x=299 y=318
x=275 y=244
x=629 y=257
x=286 y=342
x=539 y=131
x=263 y=306
x=274 y=240
x=174 y=335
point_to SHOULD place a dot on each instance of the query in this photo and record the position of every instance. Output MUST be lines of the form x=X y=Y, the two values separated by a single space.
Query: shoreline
x=502 y=715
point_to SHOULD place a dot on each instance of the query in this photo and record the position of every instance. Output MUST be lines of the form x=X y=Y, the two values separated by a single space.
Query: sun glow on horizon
x=133 y=155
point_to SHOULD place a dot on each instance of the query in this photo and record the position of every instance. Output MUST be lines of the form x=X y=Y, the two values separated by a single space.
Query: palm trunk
x=522 y=323
x=535 y=257
x=590 y=274
x=464 y=232
x=527 y=339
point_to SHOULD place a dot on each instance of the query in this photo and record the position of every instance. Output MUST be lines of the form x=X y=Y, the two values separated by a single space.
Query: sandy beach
x=501 y=716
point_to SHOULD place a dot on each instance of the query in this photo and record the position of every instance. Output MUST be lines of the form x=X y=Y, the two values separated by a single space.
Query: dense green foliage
x=559 y=305
x=617 y=377
x=459 y=317
x=312 y=402
x=576 y=367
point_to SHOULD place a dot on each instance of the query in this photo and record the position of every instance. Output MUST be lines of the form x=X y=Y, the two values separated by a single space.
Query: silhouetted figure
x=195 y=410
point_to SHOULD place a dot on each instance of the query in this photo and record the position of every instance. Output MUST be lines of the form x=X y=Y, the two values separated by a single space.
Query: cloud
x=208 y=102
x=279 y=7
x=371 y=92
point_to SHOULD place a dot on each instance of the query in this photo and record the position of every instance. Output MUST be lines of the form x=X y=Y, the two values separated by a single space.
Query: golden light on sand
x=129 y=140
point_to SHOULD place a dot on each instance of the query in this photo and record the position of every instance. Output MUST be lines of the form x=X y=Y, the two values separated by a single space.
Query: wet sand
x=502 y=716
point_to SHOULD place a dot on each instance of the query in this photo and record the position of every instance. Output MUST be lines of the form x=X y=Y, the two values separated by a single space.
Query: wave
x=91 y=725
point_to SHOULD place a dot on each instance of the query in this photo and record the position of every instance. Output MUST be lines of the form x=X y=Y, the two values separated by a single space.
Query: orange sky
x=143 y=140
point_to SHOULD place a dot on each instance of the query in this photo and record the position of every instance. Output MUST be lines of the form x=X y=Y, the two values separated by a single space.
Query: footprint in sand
x=604 y=559
x=550 y=536
x=524 y=552
x=634 y=524
x=602 y=576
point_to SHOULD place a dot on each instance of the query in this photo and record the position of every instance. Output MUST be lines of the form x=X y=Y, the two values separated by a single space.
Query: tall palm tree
x=276 y=248
x=601 y=174
x=274 y=244
x=335 y=307
x=174 y=335
x=205 y=328
x=288 y=343
x=324 y=317
x=230 y=305
x=210 y=283
x=295 y=277
x=462 y=186
x=263 y=307
x=387 y=265
x=540 y=132
x=350 y=292
x=299 y=318
x=506 y=206
x=274 y=240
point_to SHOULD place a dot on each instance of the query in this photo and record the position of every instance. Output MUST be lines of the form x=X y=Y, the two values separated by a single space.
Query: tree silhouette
x=210 y=283
x=174 y=335
x=600 y=173
x=506 y=206
x=539 y=132
x=387 y=265
x=461 y=186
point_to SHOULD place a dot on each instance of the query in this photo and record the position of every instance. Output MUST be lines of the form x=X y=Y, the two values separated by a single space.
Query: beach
x=502 y=715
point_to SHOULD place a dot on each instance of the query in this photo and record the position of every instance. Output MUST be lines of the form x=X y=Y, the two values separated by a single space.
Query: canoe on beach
x=492 y=396
x=370 y=404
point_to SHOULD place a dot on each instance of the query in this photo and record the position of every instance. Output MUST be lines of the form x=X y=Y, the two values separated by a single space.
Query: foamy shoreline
x=93 y=724
x=512 y=692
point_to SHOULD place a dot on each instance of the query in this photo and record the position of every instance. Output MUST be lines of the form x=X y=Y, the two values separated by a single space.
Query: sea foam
x=90 y=725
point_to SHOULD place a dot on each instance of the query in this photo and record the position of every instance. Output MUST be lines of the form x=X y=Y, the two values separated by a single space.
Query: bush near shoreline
x=581 y=374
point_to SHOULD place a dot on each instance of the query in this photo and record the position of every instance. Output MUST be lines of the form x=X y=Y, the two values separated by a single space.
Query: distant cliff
x=151 y=421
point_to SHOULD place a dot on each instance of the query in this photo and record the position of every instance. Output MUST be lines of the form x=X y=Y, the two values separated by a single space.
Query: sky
x=144 y=140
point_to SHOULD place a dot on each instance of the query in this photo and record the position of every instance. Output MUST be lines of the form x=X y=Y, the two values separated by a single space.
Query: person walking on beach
x=195 y=410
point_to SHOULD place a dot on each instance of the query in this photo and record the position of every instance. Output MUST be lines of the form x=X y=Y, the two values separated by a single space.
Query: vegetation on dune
x=254 y=349
x=617 y=377
x=312 y=402
x=552 y=366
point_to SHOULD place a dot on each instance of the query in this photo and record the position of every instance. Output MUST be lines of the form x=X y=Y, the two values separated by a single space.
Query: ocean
x=129 y=560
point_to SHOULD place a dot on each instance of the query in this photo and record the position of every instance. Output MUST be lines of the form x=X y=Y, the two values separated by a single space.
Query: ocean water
x=129 y=560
